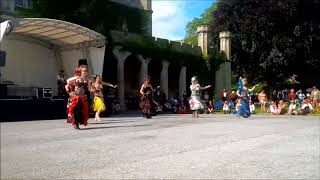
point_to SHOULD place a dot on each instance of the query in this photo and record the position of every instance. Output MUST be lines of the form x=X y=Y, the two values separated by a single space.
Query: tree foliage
x=273 y=39
x=191 y=36
x=99 y=15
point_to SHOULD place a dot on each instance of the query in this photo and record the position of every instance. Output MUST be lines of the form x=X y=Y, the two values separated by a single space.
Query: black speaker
x=2 y=58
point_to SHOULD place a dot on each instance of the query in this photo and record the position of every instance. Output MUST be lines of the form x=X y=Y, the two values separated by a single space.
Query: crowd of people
x=295 y=103
x=152 y=101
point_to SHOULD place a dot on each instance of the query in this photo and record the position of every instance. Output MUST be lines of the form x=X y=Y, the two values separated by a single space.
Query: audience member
x=252 y=107
x=292 y=107
x=315 y=97
x=226 y=107
x=300 y=98
x=210 y=107
x=292 y=95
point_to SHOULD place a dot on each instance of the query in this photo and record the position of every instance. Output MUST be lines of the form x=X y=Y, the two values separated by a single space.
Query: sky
x=170 y=17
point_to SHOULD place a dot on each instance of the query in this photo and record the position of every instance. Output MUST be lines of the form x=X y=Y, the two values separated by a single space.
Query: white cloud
x=168 y=19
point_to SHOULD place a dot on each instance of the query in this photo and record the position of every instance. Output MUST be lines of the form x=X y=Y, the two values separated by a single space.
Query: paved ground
x=168 y=146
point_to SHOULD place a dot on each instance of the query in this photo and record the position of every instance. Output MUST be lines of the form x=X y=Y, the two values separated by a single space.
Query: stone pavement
x=167 y=146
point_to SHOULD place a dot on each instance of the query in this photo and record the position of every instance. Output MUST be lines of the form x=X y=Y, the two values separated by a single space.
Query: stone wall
x=141 y=4
x=122 y=38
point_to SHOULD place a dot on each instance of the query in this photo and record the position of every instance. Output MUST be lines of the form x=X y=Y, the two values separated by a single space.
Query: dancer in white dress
x=196 y=102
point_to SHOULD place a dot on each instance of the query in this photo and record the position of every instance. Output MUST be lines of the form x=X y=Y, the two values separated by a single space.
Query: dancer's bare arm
x=206 y=87
x=72 y=79
x=141 y=89
x=108 y=84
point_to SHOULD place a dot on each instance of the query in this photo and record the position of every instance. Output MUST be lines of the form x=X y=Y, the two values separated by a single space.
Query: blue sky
x=170 y=17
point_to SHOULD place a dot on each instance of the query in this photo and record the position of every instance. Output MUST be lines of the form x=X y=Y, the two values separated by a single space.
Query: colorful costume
x=146 y=100
x=78 y=106
x=195 y=102
x=244 y=109
x=98 y=103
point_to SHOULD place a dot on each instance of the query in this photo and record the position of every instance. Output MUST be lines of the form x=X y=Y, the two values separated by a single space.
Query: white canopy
x=56 y=32
x=38 y=49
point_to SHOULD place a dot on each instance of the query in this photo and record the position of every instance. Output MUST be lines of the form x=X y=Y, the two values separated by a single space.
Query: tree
x=191 y=36
x=271 y=40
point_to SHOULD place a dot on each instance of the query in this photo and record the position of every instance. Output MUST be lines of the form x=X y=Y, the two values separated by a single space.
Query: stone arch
x=109 y=73
x=154 y=70
x=131 y=81
x=173 y=80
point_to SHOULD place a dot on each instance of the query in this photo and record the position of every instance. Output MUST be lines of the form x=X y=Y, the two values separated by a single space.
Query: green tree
x=271 y=40
x=191 y=36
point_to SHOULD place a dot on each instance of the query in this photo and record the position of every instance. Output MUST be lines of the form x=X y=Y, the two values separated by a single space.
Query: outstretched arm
x=252 y=88
x=72 y=79
x=108 y=84
x=206 y=87
x=155 y=88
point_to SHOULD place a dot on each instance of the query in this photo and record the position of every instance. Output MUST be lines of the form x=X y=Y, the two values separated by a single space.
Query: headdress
x=194 y=78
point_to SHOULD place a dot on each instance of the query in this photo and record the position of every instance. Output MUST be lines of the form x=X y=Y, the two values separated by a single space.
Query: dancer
x=70 y=90
x=97 y=88
x=242 y=93
x=146 y=102
x=196 y=103
x=79 y=100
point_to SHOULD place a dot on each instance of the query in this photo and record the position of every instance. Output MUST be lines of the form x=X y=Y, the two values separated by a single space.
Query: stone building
x=131 y=52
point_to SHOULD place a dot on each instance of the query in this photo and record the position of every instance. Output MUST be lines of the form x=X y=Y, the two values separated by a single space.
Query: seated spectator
x=115 y=106
x=280 y=109
x=218 y=104
x=305 y=109
x=272 y=107
x=226 y=107
x=182 y=110
x=231 y=104
x=210 y=107
x=237 y=106
x=292 y=107
x=252 y=107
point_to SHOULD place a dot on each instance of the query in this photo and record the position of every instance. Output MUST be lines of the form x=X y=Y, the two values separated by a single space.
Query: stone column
x=144 y=67
x=182 y=81
x=223 y=74
x=203 y=39
x=164 y=78
x=121 y=57
x=225 y=44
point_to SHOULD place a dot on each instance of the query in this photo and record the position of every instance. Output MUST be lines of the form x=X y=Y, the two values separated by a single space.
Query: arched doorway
x=173 y=80
x=154 y=70
x=109 y=74
x=132 y=67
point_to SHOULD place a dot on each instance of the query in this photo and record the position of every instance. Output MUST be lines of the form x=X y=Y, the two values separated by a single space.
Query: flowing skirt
x=244 y=110
x=98 y=104
x=196 y=103
x=146 y=104
x=78 y=109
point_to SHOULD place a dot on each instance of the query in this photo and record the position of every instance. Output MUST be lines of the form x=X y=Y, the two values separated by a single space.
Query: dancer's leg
x=98 y=115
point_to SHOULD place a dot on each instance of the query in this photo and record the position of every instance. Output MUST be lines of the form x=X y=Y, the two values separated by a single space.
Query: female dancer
x=97 y=88
x=70 y=90
x=146 y=91
x=196 y=102
x=242 y=93
x=79 y=100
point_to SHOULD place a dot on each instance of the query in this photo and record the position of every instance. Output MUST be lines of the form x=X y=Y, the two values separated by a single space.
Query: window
x=23 y=3
x=19 y=3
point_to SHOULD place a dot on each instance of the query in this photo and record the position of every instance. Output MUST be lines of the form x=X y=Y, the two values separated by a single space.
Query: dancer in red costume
x=70 y=90
x=78 y=111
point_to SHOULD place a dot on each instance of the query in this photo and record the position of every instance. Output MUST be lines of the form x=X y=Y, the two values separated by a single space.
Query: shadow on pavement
x=108 y=127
